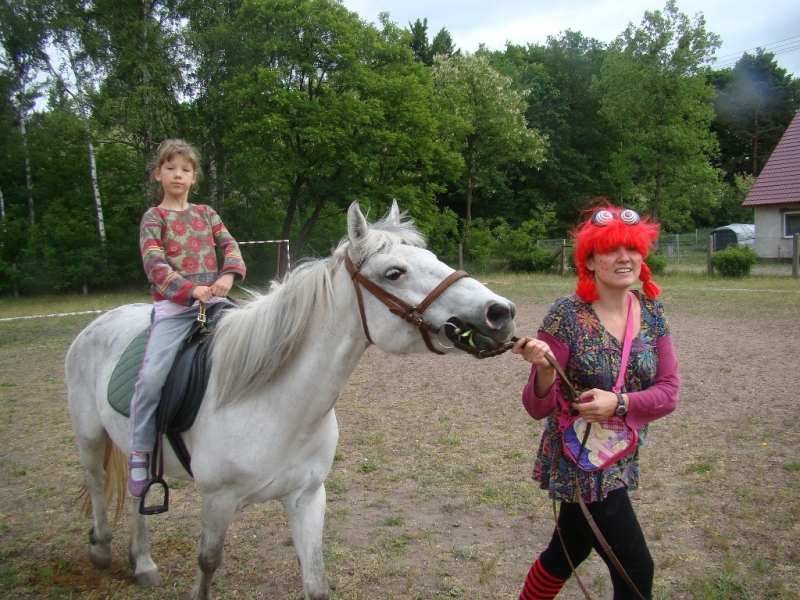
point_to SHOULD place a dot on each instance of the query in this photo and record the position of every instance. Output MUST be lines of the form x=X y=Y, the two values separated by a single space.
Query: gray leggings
x=166 y=337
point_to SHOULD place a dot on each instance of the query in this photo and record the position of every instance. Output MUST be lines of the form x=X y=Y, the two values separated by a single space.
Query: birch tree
x=486 y=122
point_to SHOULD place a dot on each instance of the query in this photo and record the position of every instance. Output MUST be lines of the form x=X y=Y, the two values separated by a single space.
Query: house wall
x=769 y=241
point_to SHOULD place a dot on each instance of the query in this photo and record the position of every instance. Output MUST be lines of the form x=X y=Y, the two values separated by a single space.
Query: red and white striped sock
x=540 y=585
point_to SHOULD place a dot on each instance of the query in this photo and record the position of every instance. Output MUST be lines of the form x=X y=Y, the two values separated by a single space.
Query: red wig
x=591 y=238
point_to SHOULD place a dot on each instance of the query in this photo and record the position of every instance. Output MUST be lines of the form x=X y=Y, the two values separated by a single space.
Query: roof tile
x=779 y=180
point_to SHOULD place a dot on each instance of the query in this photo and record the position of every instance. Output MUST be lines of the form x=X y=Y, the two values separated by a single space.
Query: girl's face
x=176 y=175
x=617 y=269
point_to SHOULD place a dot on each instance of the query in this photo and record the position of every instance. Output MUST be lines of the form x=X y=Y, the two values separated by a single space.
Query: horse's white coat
x=267 y=427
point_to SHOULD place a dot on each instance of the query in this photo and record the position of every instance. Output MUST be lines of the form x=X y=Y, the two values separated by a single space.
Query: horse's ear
x=394 y=212
x=357 y=225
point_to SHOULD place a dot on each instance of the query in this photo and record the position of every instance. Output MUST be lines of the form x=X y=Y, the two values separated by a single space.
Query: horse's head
x=404 y=290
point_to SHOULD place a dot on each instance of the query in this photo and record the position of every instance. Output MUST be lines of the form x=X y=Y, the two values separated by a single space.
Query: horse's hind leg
x=218 y=512
x=307 y=515
x=93 y=456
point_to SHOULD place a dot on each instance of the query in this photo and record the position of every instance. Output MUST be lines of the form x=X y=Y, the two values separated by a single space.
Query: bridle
x=398 y=306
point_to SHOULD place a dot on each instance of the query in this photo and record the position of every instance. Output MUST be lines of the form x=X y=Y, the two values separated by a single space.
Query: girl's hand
x=222 y=286
x=202 y=293
x=596 y=405
x=533 y=350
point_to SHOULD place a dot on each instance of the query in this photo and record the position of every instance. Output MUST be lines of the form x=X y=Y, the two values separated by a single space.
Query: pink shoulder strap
x=626 y=348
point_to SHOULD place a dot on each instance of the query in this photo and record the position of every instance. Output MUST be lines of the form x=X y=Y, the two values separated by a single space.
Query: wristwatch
x=621 y=408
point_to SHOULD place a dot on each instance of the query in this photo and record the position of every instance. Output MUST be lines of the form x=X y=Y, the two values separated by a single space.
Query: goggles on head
x=604 y=217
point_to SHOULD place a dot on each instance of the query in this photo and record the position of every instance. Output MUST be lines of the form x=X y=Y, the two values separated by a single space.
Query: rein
x=573 y=396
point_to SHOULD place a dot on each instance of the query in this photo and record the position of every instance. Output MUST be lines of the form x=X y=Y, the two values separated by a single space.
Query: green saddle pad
x=123 y=379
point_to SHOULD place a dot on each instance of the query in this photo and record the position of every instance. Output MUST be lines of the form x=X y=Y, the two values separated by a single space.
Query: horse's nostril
x=499 y=314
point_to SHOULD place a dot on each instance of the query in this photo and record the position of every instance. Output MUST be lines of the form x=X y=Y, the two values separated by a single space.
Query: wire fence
x=692 y=251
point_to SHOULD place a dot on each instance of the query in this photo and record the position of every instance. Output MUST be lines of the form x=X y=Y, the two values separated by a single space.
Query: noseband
x=398 y=306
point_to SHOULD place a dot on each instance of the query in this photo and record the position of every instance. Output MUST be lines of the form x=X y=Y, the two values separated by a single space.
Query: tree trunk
x=308 y=227
x=101 y=227
x=28 y=178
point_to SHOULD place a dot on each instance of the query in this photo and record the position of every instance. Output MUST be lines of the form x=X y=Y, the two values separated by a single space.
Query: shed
x=735 y=234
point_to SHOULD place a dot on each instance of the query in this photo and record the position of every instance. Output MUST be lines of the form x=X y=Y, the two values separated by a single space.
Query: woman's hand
x=222 y=286
x=596 y=405
x=533 y=350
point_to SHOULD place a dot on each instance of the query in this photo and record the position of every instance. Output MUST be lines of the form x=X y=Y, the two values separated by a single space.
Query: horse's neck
x=336 y=342
x=310 y=382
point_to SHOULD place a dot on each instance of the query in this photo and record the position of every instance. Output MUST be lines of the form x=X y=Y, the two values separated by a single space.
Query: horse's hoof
x=148 y=579
x=100 y=559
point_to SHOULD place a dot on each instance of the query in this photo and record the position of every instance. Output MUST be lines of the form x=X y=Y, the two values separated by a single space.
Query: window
x=791 y=223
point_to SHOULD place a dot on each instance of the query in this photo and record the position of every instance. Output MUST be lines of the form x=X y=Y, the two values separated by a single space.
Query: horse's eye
x=394 y=274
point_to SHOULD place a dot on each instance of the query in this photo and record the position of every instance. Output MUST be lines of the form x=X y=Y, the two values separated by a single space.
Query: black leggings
x=616 y=520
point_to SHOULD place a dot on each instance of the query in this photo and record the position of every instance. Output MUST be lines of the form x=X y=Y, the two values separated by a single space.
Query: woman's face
x=617 y=269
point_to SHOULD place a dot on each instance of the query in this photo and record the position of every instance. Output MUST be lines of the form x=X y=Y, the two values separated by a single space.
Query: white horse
x=267 y=429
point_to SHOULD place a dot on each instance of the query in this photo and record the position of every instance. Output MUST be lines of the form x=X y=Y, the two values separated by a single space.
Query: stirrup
x=154 y=509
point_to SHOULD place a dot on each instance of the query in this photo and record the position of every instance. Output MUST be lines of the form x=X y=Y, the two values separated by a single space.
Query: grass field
x=430 y=494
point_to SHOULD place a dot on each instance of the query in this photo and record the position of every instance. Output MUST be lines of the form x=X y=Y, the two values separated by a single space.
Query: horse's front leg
x=306 y=512
x=145 y=571
x=218 y=512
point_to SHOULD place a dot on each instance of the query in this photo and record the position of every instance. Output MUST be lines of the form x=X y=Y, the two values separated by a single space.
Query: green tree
x=325 y=109
x=212 y=43
x=136 y=46
x=756 y=101
x=420 y=45
x=655 y=93
x=23 y=36
x=442 y=43
x=562 y=106
x=486 y=120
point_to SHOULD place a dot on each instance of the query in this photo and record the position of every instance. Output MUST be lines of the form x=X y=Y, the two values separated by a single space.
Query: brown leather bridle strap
x=398 y=306
x=572 y=395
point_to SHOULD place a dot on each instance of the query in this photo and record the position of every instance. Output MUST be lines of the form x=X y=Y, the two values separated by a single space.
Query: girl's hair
x=176 y=147
x=590 y=238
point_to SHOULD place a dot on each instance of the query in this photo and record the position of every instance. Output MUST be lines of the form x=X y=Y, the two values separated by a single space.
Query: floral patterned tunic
x=178 y=251
x=574 y=332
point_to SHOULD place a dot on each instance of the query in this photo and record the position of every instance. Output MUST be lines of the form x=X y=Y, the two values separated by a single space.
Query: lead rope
x=572 y=394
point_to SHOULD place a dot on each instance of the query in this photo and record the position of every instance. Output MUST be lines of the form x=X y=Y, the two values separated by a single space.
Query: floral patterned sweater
x=179 y=251
x=590 y=357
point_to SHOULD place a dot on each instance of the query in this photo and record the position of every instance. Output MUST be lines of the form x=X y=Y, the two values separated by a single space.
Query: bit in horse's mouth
x=466 y=334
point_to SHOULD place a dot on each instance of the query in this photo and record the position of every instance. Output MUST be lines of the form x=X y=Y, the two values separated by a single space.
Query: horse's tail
x=116 y=468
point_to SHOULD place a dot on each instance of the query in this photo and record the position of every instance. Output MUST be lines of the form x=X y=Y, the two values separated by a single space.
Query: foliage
x=561 y=107
x=300 y=107
x=657 y=96
x=755 y=102
x=657 y=263
x=486 y=120
x=734 y=262
x=340 y=111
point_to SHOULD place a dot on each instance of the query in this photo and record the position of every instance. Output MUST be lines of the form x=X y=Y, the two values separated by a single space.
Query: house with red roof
x=775 y=197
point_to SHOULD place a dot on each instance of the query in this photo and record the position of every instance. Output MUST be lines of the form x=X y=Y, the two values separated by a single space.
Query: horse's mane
x=252 y=344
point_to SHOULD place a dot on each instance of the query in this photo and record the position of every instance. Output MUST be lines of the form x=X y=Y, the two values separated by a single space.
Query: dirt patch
x=430 y=494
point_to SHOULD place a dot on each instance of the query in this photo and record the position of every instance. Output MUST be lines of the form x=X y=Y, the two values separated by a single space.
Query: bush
x=533 y=260
x=657 y=263
x=734 y=262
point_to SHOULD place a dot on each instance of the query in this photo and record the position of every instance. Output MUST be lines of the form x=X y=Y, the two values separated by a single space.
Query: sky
x=743 y=25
